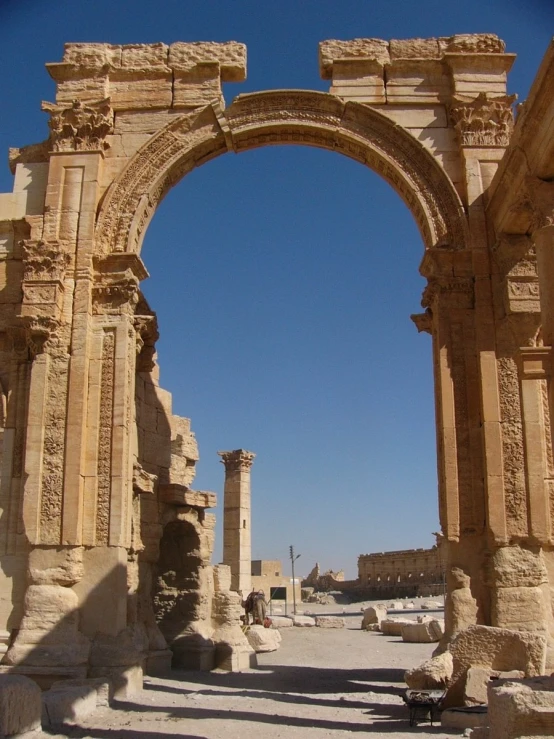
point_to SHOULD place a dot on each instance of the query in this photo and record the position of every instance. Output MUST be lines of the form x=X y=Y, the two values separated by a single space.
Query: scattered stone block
x=494 y=649
x=409 y=606
x=20 y=705
x=477 y=681
x=262 y=639
x=434 y=673
x=521 y=708
x=100 y=685
x=281 y=622
x=303 y=620
x=422 y=632
x=464 y=718
x=373 y=615
x=393 y=626
x=431 y=605
x=396 y=605
x=68 y=704
x=329 y=622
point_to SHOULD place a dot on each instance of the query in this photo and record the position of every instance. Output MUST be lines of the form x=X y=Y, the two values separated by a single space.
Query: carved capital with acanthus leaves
x=81 y=127
x=484 y=121
x=116 y=283
x=34 y=335
x=44 y=267
x=238 y=460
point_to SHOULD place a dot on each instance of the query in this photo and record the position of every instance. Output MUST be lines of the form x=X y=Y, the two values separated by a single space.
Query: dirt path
x=320 y=683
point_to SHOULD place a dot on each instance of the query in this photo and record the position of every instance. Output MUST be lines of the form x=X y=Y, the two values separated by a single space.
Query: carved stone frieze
x=238 y=460
x=483 y=121
x=81 y=127
x=44 y=266
x=105 y=434
x=456 y=293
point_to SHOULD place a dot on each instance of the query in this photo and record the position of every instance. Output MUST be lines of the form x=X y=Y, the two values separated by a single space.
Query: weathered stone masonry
x=97 y=510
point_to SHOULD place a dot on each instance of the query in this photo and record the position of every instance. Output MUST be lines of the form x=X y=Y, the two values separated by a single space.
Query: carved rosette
x=116 y=284
x=483 y=121
x=44 y=267
x=80 y=127
x=239 y=460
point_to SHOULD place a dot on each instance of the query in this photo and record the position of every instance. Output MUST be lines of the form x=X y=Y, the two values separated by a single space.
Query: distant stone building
x=403 y=573
x=268 y=573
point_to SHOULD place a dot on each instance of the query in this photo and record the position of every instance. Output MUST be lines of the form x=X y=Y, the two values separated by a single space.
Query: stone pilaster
x=237 y=521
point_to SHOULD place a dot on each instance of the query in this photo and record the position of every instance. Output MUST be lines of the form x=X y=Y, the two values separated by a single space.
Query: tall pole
x=293 y=558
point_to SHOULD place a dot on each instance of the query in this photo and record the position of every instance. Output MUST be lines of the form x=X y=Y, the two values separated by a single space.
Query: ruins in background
x=105 y=547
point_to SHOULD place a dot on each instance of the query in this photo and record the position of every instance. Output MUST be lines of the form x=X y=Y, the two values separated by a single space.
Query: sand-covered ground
x=320 y=683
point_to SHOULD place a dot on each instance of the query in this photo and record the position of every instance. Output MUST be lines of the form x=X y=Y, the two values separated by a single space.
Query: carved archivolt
x=281 y=117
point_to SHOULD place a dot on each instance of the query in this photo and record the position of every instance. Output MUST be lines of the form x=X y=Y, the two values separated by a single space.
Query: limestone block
x=303 y=621
x=305 y=593
x=497 y=649
x=434 y=673
x=393 y=626
x=515 y=567
x=522 y=609
x=262 y=639
x=20 y=705
x=281 y=622
x=230 y=57
x=414 y=48
x=68 y=705
x=222 y=577
x=431 y=605
x=396 y=605
x=420 y=633
x=100 y=686
x=522 y=708
x=409 y=606
x=359 y=48
x=373 y=615
x=464 y=718
x=330 y=622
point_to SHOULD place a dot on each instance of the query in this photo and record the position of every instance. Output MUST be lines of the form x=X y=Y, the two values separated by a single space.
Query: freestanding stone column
x=237 y=549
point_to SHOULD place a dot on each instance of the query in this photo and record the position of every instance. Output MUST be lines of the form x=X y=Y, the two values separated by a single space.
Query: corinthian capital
x=484 y=120
x=238 y=460
x=80 y=127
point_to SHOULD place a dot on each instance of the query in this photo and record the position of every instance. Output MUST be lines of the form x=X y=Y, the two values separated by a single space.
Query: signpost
x=293 y=558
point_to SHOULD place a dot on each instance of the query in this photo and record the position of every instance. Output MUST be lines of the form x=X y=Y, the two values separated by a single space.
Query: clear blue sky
x=284 y=277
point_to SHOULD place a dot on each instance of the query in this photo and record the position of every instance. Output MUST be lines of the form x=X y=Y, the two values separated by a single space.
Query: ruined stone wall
x=403 y=573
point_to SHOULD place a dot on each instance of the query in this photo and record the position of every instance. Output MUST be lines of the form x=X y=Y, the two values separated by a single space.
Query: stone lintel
x=180 y=495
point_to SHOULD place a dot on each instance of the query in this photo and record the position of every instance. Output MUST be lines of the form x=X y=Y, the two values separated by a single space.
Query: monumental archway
x=89 y=478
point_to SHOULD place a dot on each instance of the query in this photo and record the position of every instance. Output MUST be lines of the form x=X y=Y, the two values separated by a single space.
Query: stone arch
x=281 y=117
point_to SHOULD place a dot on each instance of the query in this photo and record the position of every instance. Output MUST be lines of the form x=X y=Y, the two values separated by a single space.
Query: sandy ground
x=320 y=683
